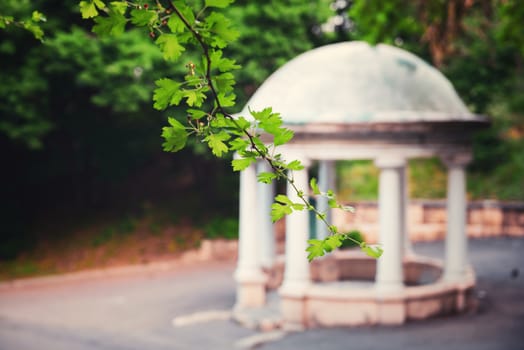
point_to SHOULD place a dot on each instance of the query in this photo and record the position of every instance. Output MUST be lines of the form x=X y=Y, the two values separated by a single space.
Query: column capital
x=456 y=159
x=390 y=162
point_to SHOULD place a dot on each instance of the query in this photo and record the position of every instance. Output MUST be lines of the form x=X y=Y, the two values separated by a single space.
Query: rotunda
x=350 y=101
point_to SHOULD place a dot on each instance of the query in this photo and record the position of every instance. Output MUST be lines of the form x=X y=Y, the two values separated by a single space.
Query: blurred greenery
x=357 y=180
x=479 y=46
x=354 y=236
x=220 y=227
x=81 y=142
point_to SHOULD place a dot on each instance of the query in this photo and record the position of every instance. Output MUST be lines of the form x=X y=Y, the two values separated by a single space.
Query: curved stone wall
x=427 y=219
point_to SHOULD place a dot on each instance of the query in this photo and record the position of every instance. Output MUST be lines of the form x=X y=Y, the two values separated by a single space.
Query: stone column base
x=251 y=294
x=293 y=311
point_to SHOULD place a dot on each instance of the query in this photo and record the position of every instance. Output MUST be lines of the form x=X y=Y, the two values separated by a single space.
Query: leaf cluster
x=31 y=24
x=317 y=248
x=208 y=90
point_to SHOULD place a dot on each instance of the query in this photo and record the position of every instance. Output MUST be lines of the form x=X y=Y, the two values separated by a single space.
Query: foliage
x=422 y=170
x=479 y=46
x=31 y=24
x=356 y=236
x=271 y=33
x=83 y=101
x=392 y=22
x=178 y=26
x=221 y=228
x=357 y=180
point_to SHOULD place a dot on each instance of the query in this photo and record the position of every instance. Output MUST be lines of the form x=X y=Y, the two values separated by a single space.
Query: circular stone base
x=349 y=296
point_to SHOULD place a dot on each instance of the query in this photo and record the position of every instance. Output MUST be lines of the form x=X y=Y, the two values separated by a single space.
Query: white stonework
x=326 y=181
x=266 y=234
x=352 y=101
x=456 y=239
x=248 y=275
x=389 y=267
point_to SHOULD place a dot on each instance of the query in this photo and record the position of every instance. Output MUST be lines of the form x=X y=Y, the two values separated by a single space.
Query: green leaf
x=170 y=47
x=222 y=64
x=243 y=123
x=216 y=143
x=314 y=186
x=38 y=17
x=175 y=24
x=175 y=136
x=321 y=216
x=218 y=3
x=5 y=20
x=315 y=249
x=114 y=24
x=196 y=114
x=185 y=10
x=100 y=4
x=282 y=136
x=242 y=163
x=226 y=64
x=225 y=82
x=194 y=97
x=295 y=165
x=38 y=33
x=219 y=26
x=332 y=242
x=167 y=94
x=119 y=6
x=220 y=122
x=333 y=203
x=238 y=144
x=298 y=206
x=142 y=17
x=282 y=198
x=278 y=211
x=261 y=115
x=372 y=251
x=227 y=100
x=266 y=177
x=333 y=229
x=88 y=9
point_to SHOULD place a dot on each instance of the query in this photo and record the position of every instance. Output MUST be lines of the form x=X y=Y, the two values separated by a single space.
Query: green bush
x=348 y=243
x=222 y=228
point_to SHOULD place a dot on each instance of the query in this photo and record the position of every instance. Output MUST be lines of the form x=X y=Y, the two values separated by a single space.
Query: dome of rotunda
x=354 y=82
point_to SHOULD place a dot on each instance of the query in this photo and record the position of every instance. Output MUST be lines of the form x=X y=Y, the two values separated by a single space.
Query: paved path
x=137 y=311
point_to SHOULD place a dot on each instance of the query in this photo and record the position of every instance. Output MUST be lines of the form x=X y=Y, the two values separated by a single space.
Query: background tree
x=478 y=44
x=77 y=130
x=80 y=139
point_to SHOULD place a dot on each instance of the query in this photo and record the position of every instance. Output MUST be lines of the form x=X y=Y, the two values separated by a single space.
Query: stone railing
x=427 y=219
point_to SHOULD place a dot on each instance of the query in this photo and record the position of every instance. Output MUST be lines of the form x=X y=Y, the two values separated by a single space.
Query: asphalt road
x=136 y=312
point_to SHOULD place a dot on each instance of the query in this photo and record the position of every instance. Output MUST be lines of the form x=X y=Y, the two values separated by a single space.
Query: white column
x=389 y=275
x=326 y=181
x=296 y=273
x=408 y=248
x=248 y=275
x=266 y=234
x=456 y=238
